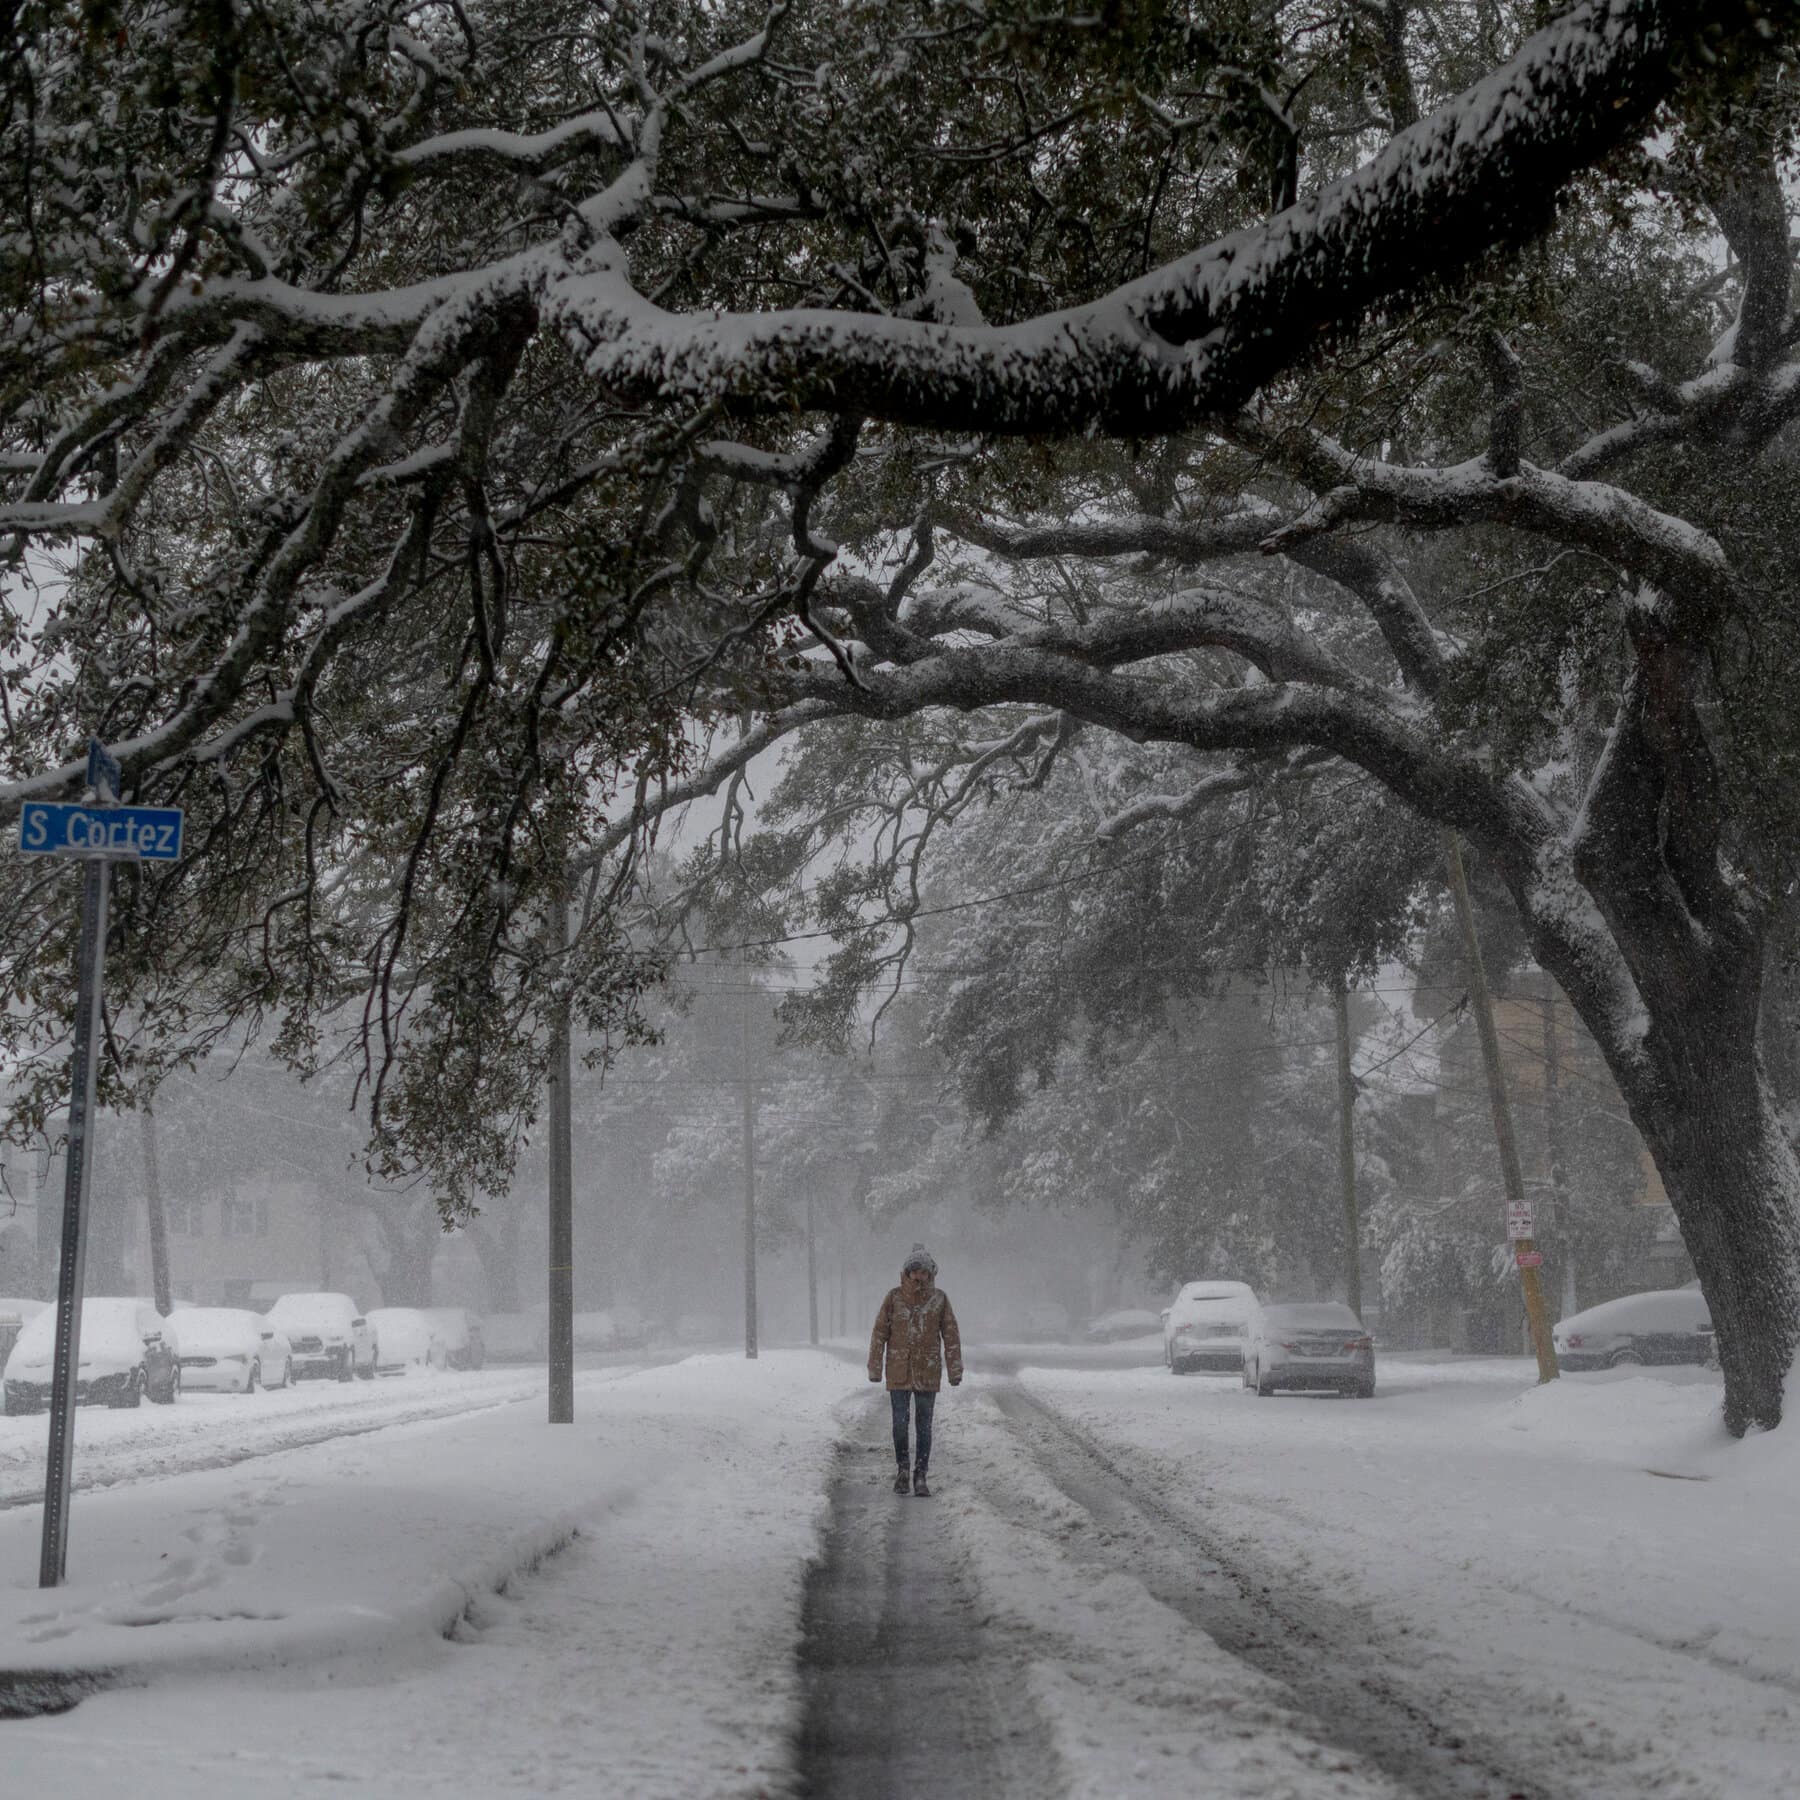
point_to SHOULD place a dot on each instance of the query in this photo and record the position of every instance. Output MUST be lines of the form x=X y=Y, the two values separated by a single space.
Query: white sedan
x=231 y=1351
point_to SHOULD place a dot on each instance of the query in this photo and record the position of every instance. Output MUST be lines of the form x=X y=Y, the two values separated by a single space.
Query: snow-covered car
x=1115 y=1327
x=128 y=1351
x=230 y=1350
x=461 y=1331
x=15 y=1315
x=1206 y=1325
x=1668 y=1325
x=613 y=1328
x=330 y=1337
x=1318 y=1344
x=408 y=1339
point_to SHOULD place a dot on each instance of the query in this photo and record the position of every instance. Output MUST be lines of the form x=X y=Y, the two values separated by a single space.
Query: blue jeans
x=922 y=1405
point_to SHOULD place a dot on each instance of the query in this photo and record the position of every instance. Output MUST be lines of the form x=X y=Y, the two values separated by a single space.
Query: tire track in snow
x=1323 y=1653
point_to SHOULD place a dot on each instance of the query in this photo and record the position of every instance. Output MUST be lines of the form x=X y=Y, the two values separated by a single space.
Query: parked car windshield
x=1317 y=1316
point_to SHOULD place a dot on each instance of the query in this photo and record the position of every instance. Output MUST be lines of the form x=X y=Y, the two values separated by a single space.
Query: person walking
x=915 y=1331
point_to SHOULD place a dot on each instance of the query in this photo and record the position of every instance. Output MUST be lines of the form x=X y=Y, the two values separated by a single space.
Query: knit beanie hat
x=919 y=1258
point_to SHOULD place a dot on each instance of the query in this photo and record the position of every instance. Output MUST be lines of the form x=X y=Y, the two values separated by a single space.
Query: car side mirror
x=356 y=1322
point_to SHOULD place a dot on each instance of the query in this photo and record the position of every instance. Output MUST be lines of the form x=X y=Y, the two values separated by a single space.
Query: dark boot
x=900 y=1479
x=921 y=1486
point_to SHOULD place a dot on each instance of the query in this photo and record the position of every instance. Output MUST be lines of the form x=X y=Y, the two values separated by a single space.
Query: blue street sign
x=123 y=833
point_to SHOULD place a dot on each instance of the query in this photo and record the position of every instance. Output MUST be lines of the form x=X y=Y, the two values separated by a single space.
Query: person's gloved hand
x=956 y=1381
x=873 y=1376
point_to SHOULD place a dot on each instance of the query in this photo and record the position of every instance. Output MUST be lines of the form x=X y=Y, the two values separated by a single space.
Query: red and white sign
x=1529 y=1259
x=1521 y=1220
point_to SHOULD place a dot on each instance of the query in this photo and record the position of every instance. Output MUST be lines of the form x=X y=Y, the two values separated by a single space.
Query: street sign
x=117 y=833
x=100 y=835
x=1529 y=1259
x=1521 y=1220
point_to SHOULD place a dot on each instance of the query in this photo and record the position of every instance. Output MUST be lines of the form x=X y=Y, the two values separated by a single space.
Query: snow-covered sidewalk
x=365 y=1617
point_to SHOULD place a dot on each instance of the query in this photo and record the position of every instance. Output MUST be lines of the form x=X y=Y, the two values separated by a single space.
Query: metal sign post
x=93 y=834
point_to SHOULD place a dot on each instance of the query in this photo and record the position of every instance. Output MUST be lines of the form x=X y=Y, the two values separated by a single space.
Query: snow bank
x=648 y=1654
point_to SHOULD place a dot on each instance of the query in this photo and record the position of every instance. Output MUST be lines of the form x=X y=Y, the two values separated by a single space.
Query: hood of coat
x=915 y=1284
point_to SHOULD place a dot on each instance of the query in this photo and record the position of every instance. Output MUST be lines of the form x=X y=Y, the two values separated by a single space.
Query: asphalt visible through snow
x=902 y=1695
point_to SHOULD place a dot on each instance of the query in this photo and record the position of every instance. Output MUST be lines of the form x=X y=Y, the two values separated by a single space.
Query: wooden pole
x=1346 y=1081
x=1512 y=1176
x=561 y=1322
x=749 y=1087
x=1554 y=1148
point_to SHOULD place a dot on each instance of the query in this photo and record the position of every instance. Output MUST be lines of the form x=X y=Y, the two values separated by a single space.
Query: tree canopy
x=439 y=438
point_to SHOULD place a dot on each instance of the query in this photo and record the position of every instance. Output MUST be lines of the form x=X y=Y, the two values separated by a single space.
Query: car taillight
x=1573 y=1340
x=1361 y=1343
x=1287 y=1345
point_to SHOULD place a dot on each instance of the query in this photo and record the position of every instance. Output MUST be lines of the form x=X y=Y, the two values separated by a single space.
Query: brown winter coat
x=917 y=1329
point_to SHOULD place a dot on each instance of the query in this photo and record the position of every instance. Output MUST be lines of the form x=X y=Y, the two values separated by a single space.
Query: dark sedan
x=1668 y=1325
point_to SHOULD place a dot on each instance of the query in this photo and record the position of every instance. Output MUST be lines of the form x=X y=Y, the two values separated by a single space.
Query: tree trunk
x=1553 y=1150
x=1710 y=1122
x=411 y=1243
x=498 y=1248
x=1683 y=1050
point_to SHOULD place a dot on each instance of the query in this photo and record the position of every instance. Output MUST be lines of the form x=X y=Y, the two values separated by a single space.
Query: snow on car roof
x=1217 y=1290
x=1665 y=1309
x=203 y=1325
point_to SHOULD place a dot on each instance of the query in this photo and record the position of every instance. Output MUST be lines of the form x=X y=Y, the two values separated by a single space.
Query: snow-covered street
x=1127 y=1583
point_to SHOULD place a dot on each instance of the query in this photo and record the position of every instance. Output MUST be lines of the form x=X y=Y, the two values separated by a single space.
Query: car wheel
x=368 y=1374
x=1625 y=1359
x=344 y=1368
x=134 y=1395
x=1365 y=1392
x=254 y=1379
x=1264 y=1386
x=287 y=1373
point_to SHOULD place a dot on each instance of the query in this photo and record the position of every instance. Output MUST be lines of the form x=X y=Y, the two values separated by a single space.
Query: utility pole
x=561 y=1321
x=1340 y=1003
x=1553 y=1145
x=1518 y=1208
x=812 y=1271
x=749 y=1088
x=153 y=1209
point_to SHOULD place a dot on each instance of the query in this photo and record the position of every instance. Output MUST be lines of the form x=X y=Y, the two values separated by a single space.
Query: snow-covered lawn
x=1604 y=1577
x=292 y=1611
